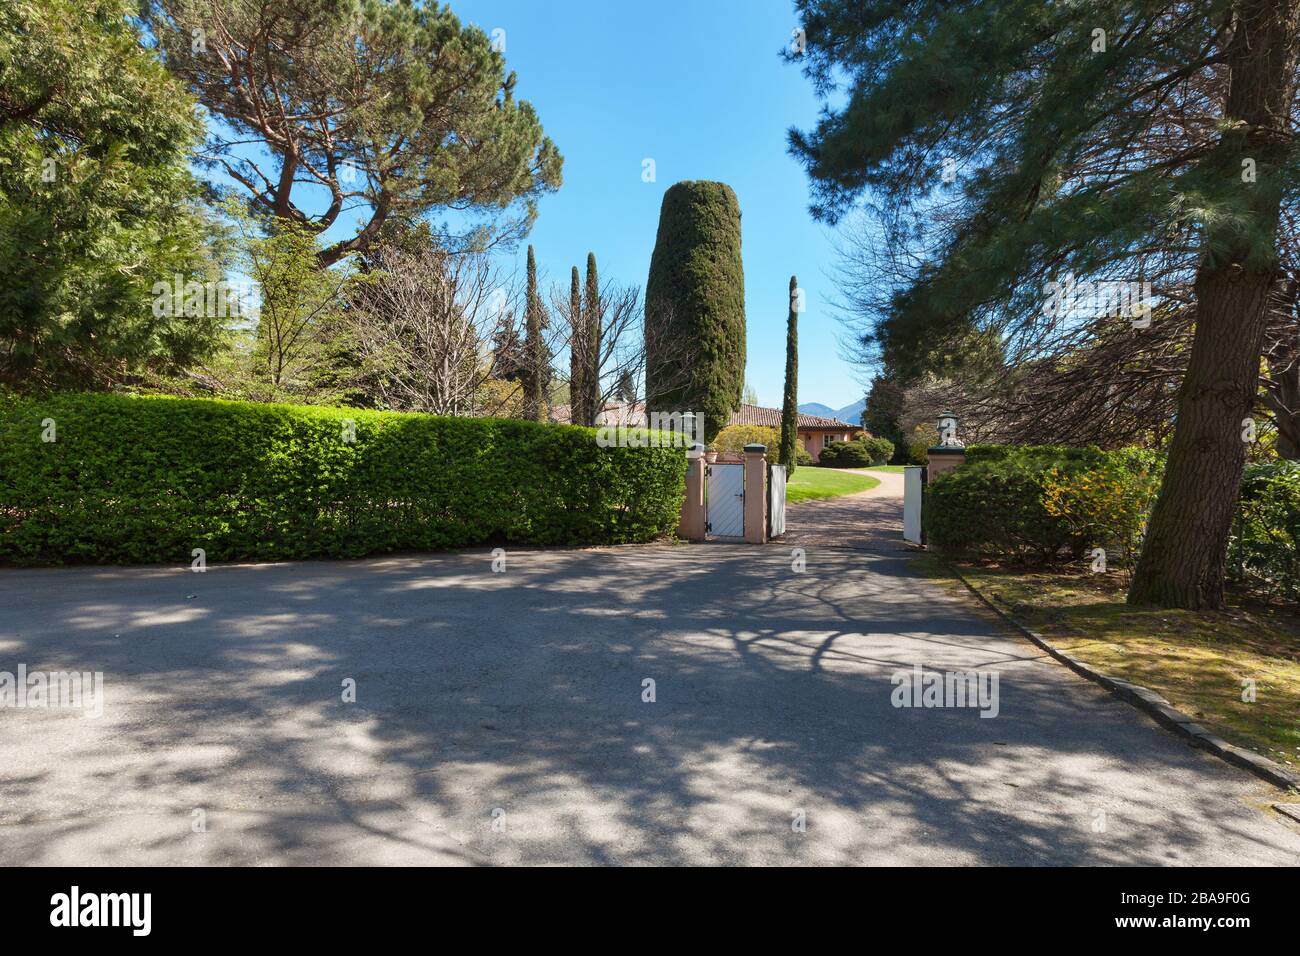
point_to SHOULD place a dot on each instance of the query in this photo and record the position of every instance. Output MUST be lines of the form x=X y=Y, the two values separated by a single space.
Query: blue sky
x=700 y=88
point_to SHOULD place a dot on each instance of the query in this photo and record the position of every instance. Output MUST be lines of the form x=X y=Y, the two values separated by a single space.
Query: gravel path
x=870 y=520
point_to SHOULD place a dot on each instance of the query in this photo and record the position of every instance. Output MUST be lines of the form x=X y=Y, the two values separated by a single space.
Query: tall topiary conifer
x=695 y=306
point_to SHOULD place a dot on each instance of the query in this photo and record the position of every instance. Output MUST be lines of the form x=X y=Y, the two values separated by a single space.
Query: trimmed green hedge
x=132 y=479
x=1039 y=503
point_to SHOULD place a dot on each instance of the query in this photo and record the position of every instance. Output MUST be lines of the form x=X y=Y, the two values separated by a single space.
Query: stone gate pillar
x=692 y=524
x=756 y=494
x=949 y=453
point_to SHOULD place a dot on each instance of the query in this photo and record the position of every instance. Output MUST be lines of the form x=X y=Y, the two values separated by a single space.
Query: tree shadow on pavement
x=499 y=717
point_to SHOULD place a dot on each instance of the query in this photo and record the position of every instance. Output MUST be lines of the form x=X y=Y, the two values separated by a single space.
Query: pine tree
x=593 y=314
x=578 y=359
x=695 y=306
x=790 y=409
x=534 y=348
x=422 y=115
x=1084 y=139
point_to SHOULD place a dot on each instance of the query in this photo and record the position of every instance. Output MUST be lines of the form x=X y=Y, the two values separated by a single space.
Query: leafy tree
x=734 y=438
x=387 y=107
x=1010 y=143
x=695 y=304
x=97 y=204
x=790 y=408
x=298 y=303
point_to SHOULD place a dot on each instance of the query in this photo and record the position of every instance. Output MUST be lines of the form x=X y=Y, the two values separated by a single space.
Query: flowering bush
x=1043 y=503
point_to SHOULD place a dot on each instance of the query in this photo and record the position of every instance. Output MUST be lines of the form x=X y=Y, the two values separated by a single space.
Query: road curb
x=1150 y=703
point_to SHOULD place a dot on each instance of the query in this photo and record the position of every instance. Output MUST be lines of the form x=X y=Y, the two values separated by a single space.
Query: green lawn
x=810 y=482
x=892 y=469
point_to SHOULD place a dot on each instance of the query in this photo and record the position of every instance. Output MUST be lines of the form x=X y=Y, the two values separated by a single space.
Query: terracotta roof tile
x=771 y=418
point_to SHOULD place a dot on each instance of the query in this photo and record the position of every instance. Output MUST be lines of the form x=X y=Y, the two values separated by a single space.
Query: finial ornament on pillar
x=948 y=431
x=950 y=452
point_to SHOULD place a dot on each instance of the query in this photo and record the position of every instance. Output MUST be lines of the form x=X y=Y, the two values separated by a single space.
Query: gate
x=726 y=501
x=776 y=501
x=913 y=495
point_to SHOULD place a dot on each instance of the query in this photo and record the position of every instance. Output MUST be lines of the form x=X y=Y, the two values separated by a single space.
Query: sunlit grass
x=1198 y=660
x=810 y=482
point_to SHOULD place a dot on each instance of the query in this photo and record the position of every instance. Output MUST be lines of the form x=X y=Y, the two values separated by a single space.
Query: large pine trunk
x=1183 y=559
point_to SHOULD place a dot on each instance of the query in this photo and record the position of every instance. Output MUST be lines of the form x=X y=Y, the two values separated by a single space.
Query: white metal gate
x=726 y=493
x=776 y=501
x=912 y=492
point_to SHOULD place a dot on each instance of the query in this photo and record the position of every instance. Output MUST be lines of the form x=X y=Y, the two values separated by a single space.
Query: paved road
x=515 y=698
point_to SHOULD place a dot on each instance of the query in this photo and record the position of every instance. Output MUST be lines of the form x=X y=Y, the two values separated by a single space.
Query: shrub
x=695 y=294
x=880 y=449
x=1041 y=453
x=1040 y=503
x=734 y=438
x=859 y=453
x=1264 y=551
x=919 y=443
x=845 y=454
x=148 y=479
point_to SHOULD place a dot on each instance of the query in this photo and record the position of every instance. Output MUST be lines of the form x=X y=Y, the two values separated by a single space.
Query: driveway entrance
x=505 y=717
x=868 y=521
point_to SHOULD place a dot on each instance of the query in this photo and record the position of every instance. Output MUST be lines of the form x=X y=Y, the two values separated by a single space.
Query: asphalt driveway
x=499 y=717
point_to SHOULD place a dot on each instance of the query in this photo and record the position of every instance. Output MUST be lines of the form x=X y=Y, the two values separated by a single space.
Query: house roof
x=771 y=418
x=613 y=413
x=634 y=414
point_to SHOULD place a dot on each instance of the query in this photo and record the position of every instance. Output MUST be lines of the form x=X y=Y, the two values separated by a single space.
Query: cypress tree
x=577 y=355
x=695 y=306
x=593 y=315
x=790 y=410
x=533 y=347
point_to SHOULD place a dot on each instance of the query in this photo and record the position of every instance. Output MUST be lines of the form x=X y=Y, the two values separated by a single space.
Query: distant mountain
x=852 y=413
x=849 y=413
x=818 y=409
